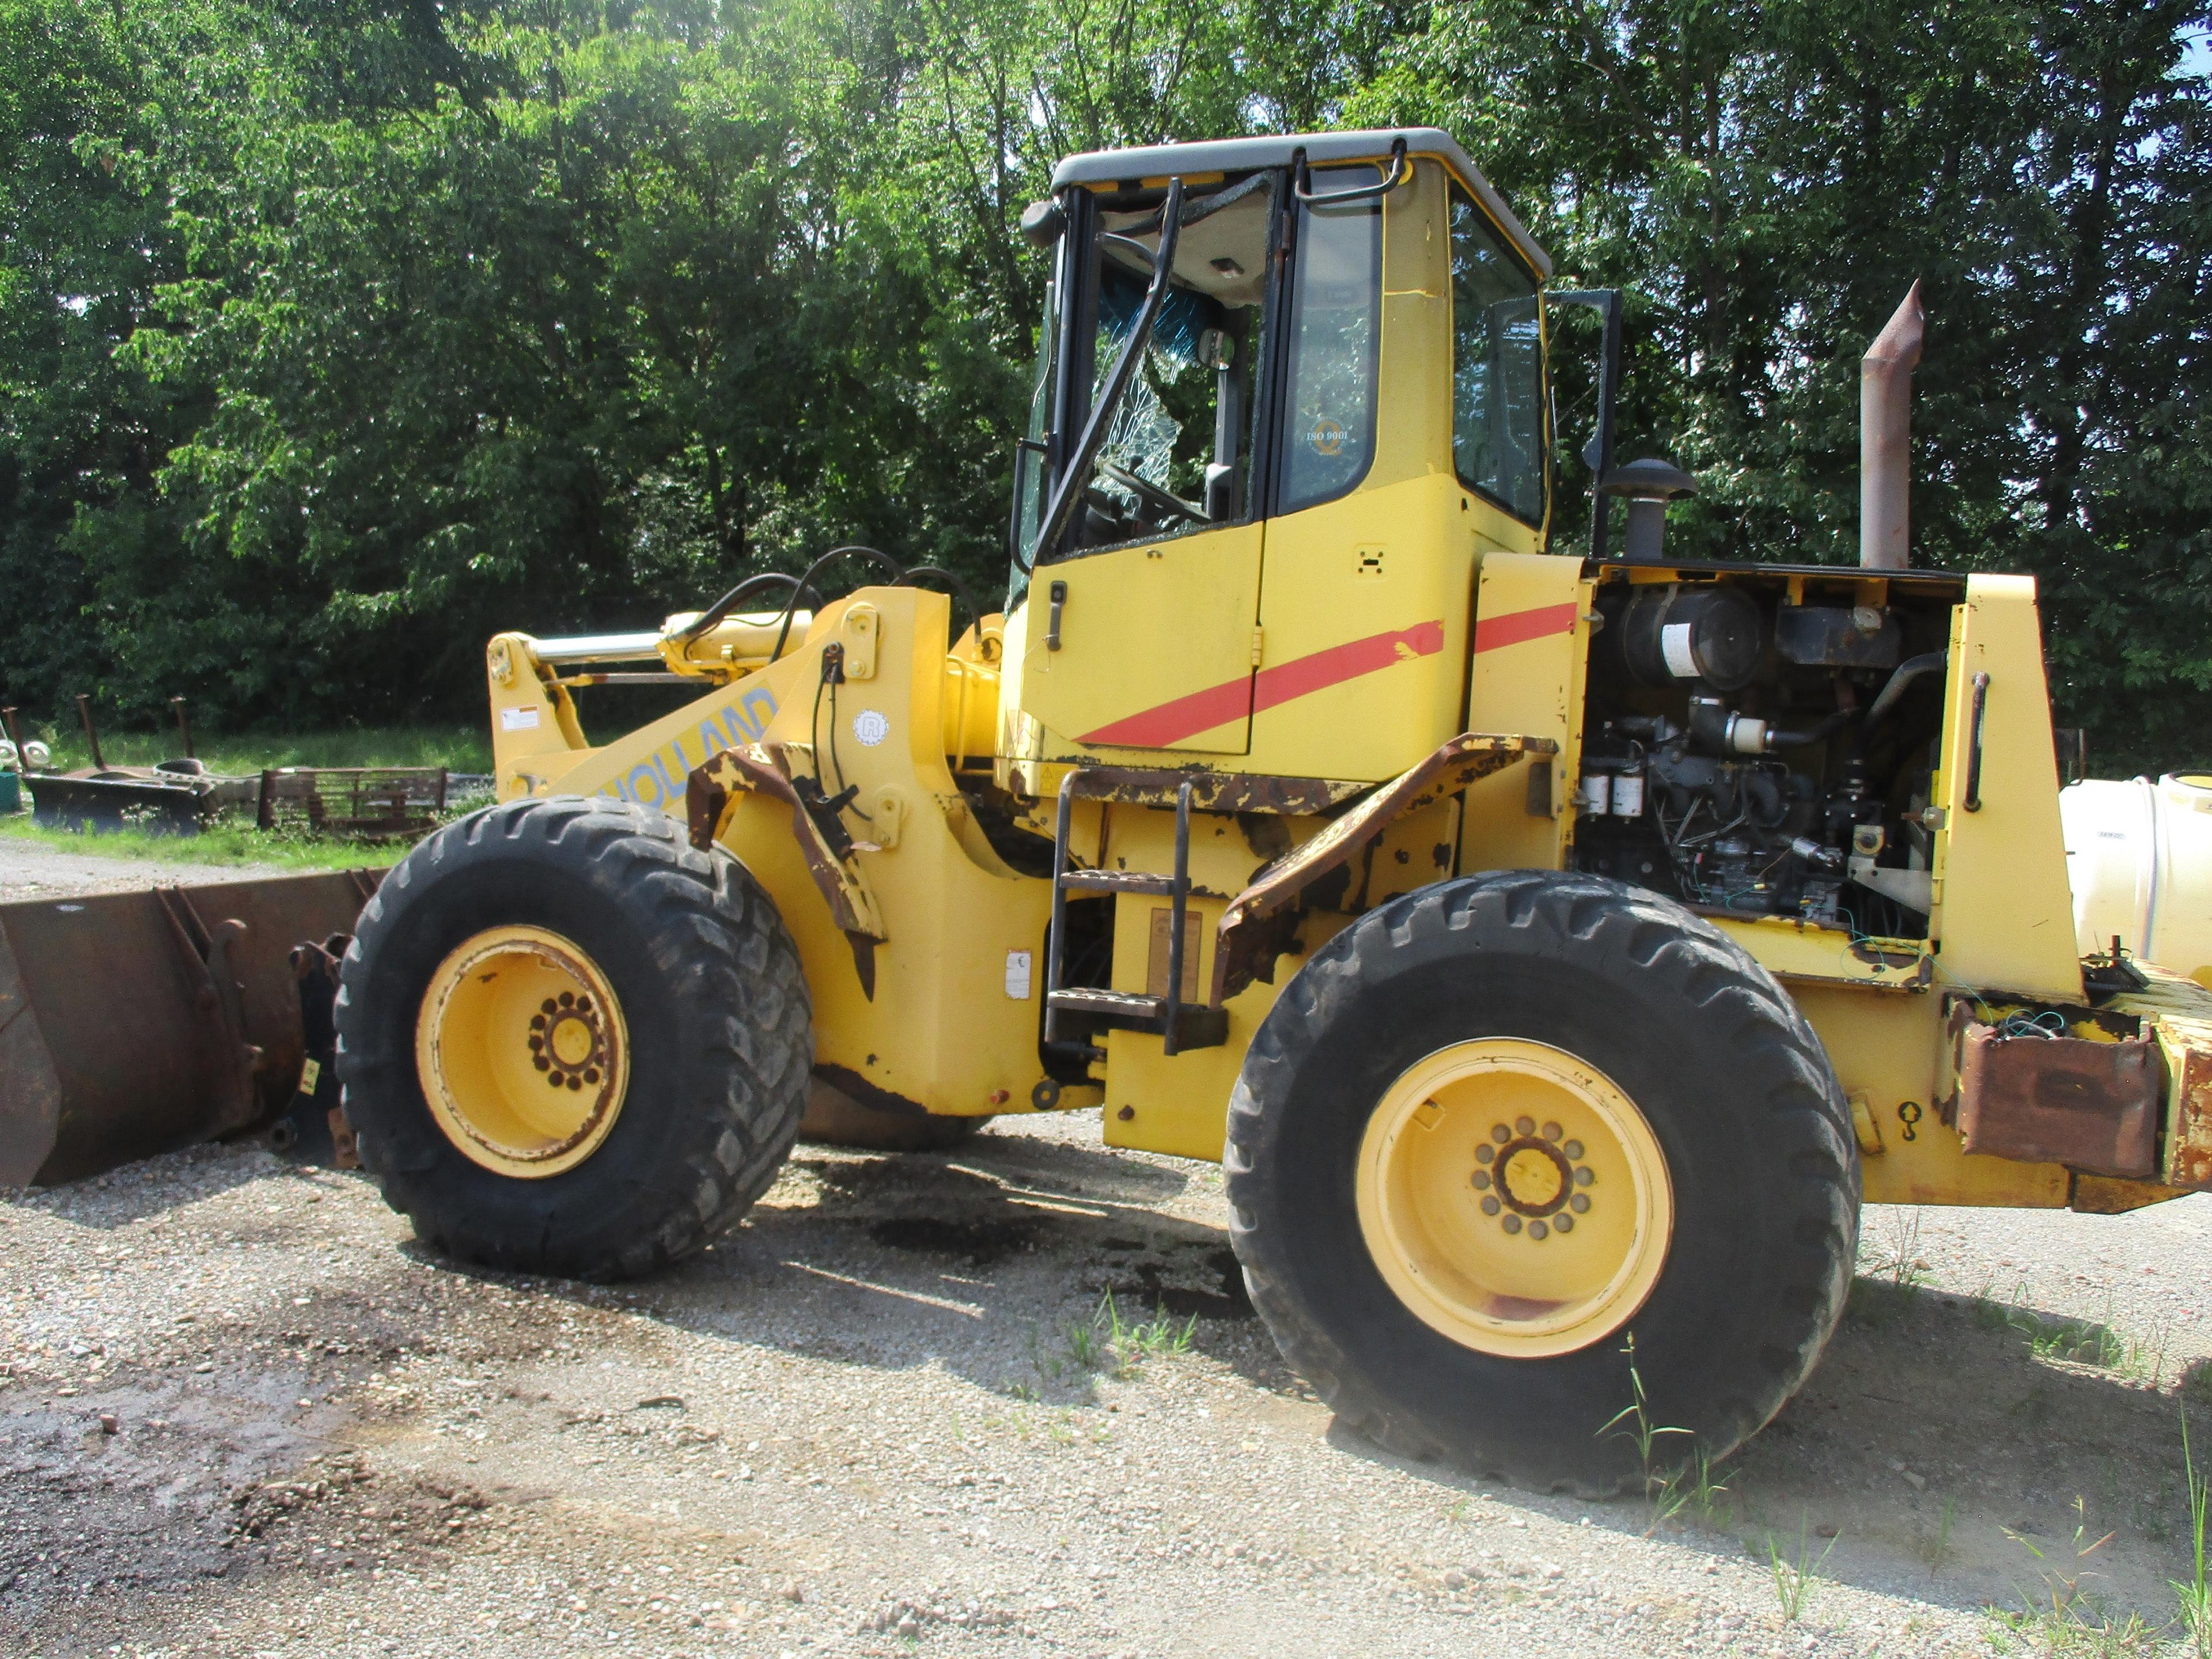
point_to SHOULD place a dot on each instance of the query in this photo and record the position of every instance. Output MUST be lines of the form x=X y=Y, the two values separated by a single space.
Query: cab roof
x=1128 y=166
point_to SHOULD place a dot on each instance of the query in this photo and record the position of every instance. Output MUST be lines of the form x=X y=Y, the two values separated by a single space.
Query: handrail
x=1399 y=172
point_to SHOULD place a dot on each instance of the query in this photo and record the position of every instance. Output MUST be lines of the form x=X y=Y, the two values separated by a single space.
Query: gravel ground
x=28 y=870
x=241 y=1411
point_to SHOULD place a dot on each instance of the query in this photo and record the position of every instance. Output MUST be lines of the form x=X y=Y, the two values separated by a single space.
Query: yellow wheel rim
x=1513 y=1198
x=522 y=1052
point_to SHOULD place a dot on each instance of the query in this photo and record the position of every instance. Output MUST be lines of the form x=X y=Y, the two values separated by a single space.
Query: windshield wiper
x=1077 y=472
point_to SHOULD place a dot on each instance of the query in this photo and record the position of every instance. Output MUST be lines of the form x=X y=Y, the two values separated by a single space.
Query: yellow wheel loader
x=1555 y=945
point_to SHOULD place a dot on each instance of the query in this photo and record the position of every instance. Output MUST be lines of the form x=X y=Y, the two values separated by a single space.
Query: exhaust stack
x=1884 y=437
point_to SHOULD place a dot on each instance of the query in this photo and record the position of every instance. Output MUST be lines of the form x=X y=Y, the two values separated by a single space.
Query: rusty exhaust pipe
x=91 y=732
x=1885 y=437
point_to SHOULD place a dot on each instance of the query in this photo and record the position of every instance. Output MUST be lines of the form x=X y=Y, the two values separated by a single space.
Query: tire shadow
x=995 y=1261
x=1964 y=1452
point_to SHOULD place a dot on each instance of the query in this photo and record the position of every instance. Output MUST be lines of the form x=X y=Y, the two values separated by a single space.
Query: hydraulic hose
x=704 y=624
x=958 y=588
x=813 y=570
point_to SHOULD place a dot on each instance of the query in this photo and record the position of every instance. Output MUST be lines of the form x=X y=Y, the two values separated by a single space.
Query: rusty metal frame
x=1216 y=792
x=2093 y=1106
x=2177 y=1013
x=765 y=769
x=1258 y=925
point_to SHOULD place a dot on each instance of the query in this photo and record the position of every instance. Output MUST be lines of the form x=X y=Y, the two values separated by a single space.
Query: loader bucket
x=133 y=1024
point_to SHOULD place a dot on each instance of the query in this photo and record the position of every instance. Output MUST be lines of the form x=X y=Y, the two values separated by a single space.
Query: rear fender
x=1256 y=926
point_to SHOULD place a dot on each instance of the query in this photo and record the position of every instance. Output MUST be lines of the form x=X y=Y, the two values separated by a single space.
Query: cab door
x=1155 y=647
x=1141 y=626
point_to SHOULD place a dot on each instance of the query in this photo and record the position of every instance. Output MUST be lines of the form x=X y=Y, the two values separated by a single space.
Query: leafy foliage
x=336 y=334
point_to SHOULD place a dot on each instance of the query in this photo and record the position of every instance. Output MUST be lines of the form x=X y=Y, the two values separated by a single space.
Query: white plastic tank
x=2139 y=856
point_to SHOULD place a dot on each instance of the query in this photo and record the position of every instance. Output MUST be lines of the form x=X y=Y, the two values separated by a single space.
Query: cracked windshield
x=1177 y=454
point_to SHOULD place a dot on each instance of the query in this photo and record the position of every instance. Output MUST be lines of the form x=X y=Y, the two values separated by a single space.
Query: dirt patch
x=979 y=1243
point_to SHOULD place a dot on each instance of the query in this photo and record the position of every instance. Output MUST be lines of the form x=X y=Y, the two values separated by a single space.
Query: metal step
x=1119 y=1005
x=1118 y=881
x=1072 y=1014
x=1196 y=1026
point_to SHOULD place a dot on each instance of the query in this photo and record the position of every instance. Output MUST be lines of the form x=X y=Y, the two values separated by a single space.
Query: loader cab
x=1256 y=483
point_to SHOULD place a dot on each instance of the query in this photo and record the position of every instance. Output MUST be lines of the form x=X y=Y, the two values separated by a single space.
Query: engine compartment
x=1763 y=742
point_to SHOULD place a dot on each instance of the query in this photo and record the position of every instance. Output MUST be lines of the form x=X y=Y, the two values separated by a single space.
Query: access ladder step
x=1197 y=1026
x=1117 y=881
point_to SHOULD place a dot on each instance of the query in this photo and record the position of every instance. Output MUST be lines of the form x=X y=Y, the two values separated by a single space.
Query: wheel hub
x=564 y=1040
x=522 y=1052
x=1480 y=1183
x=1533 y=1178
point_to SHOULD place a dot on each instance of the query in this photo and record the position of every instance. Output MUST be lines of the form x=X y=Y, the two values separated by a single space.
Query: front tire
x=1497 y=1125
x=571 y=1043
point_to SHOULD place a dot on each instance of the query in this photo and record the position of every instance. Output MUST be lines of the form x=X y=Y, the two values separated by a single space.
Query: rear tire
x=1757 y=1183
x=834 y=1118
x=715 y=1027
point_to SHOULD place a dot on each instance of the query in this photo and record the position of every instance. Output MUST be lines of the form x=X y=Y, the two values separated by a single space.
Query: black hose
x=806 y=581
x=1818 y=734
x=1899 y=682
x=959 y=588
x=705 y=621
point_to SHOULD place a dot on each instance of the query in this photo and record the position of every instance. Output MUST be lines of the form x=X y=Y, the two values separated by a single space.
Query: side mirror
x=1043 y=221
x=1597 y=453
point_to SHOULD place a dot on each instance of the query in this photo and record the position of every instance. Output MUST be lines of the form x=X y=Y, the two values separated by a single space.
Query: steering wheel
x=1160 y=500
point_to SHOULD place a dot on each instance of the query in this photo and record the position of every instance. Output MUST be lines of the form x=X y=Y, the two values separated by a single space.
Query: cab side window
x=1335 y=321
x=1498 y=368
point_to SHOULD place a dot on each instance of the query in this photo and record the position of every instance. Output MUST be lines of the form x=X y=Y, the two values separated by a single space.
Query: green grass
x=2080 y=1341
x=1935 y=1545
x=1111 y=1343
x=462 y=748
x=1670 y=1486
x=225 y=844
x=1794 y=1577
x=2064 y=1618
x=2194 y=1593
x=1130 y=1344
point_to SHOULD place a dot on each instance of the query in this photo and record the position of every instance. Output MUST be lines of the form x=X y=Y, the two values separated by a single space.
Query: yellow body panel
x=1413 y=423
x=535 y=734
x=1887 y=1051
x=945 y=1029
x=1200 y=592
x=1792 y=951
x=1177 y=1105
x=1364 y=608
x=1531 y=642
x=2004 y=913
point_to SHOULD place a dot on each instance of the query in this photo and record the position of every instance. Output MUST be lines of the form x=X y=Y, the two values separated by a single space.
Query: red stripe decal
x=1495 y=633
x=1201 y=711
